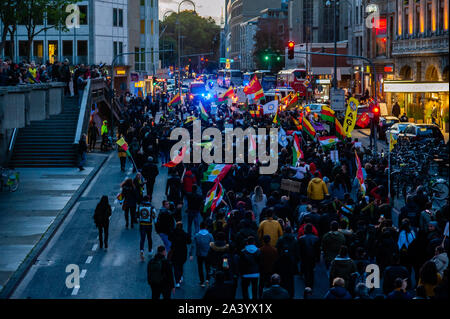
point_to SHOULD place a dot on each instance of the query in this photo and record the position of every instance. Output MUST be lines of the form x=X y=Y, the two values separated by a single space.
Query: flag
x=275 y=118
x=175 y=100
x=216 y=172
x=363 y=120
x=359 y=172
x=270 y=107
x=190 y=119
x=177 y=160
x=327 y=142
x=124 y=145
x=297 y=124
x=291 y=101
x=308 y=128
x=228 y=93
x=203 y=113
x=206 y=145
x=296 y=151
x=282 y=139
x=327 y=114
x=254 y=88
x=254 y=113
x=392 y=142
x=339 y=130
x=214 y=197
x=350 y=116
x=252 y=146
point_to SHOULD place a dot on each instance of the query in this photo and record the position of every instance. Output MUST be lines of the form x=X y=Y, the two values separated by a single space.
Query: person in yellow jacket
x=122 y=156
x=317 y=189
x=104 y=134
x=33 y=71
x=270 y=227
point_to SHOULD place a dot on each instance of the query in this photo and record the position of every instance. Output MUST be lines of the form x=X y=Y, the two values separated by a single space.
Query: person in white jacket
x=440 y=259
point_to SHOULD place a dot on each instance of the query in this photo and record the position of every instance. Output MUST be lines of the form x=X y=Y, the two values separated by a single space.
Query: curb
x=30 y=259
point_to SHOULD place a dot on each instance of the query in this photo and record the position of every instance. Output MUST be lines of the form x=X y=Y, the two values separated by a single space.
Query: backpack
x=156 y=276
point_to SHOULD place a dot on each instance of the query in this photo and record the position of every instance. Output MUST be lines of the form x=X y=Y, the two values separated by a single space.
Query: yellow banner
x=350 y=116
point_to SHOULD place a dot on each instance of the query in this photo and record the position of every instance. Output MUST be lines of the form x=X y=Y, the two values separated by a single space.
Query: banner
x=270 y=107
x=350 y=116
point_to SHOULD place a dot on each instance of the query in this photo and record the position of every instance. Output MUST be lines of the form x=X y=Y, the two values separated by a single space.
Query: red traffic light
x=201 y=59
x=291 y=44
x=206 y=60
x=376 y=110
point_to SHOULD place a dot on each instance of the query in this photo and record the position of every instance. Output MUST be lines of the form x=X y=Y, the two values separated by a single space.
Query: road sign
x=337 y=99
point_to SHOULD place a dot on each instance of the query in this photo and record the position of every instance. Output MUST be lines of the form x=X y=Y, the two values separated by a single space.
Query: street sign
x=337 y=99
x=306 y=83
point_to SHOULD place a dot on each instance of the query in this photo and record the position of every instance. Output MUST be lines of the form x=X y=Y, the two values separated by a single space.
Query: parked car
x=395 y=129
x=385 y=123
x=420 y=132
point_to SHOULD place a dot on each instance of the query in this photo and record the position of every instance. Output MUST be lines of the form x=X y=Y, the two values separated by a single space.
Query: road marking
x=83 y=273
x=115 y=202
x=94 y=248
x=112 y=209
x=75 y=291
x=88 y=260
x=94 y=180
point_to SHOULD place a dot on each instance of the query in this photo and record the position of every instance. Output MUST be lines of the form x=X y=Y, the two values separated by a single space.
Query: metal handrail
x=13 y=139
x=85 y=102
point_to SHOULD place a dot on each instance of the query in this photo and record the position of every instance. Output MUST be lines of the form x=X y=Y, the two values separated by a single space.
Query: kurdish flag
x=216 y=172
x=177 y=160
x=327 y=142
x=359 y=172
x=297 y=124
x=203 y=113
x=252 y=146
x=175 y=100
x=291 y=101
x=190 y=119
x=296 y=150
x=214 y=197
x=124 y=145
x=228 y=93
x=308 y=128
x=339 y=130
x=254 y=88
x=327 y=114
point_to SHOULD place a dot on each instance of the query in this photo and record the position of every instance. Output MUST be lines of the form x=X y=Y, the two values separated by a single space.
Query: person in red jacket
x=188 y=180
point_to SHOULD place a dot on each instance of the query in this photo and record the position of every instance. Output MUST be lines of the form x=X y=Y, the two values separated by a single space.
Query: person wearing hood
x=218 y=250
x=178 y=252
x=338 y=290
x=316 y=188
x=399 y=292
x=270 y=227
x=202 y=241
x=440 y=259
x=342 y=266
x=150 y=171
x=309 y=251
x=249 y=261
x=104 y=134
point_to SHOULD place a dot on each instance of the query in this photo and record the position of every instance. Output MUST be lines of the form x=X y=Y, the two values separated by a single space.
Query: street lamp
x=162 y=32
x=179 y=41
x=335 y=4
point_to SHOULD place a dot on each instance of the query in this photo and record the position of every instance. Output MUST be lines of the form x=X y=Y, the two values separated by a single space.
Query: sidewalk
x=29 y=216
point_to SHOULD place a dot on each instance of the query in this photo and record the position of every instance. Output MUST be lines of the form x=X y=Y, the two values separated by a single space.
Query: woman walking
x=101 y=219
x=130 y=195
x=259 y=201
x=178 y=254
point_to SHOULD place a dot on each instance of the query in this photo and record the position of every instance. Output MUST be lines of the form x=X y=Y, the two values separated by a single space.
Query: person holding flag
x=122 y=152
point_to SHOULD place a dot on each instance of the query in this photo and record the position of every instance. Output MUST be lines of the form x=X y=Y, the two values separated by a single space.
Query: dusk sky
x=205 y=8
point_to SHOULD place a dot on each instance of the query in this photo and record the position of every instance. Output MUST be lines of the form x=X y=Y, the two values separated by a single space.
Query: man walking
x=309 y=248
x=146 y=216
x=150 y=171
x=160 y=275
x=194 y=205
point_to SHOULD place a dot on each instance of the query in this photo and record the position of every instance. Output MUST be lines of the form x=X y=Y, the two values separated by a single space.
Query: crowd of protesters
x=263 y=236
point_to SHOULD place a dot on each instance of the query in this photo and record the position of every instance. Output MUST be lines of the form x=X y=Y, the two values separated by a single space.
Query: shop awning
x=415 y=87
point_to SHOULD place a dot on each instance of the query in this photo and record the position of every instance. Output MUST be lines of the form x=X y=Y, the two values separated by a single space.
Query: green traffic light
x=266 y=57
x=278 y=58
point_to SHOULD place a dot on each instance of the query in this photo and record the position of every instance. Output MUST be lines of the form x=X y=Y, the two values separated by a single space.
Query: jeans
x=157 y=290
x=82 y=160
x=166 y=241
x=193 y=216
x=178 y=271
x=200 y=261
x=103 y=229
x=123 y=162
x=150 y=184
x=131 y=210
x=308 y=273
x=245 y=283
x=145 y=231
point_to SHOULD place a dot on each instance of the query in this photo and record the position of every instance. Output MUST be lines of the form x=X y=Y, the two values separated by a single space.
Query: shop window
x=83 y=15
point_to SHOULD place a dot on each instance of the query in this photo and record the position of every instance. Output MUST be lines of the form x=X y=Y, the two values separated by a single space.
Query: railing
x=436 y=44
x=85 y=113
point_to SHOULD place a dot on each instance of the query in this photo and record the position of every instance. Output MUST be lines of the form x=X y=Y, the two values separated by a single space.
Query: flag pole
x=389 y=167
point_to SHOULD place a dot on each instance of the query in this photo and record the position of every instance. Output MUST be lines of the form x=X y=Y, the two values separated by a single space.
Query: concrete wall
x=19 y=105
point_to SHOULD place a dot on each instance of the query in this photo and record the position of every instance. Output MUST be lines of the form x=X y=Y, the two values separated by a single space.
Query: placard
x=290 y=185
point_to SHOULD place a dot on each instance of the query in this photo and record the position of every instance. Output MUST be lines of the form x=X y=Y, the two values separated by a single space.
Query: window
x=82 y=48
x=67 y=48
x=142 y=26
x=23 y=50
x=417 y=22
x=52 y=51
x=441 y=25
x=38 y=50
x=139 y=59
x=117 y=17
x=118 y=49
x=142 y=2
x=83 y=15
x=151 y=27
x=405 y=20
x=429 y=12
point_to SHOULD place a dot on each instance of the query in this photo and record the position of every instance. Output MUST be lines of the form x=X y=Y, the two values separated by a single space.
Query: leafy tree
x=8 y=16
x=200 y=35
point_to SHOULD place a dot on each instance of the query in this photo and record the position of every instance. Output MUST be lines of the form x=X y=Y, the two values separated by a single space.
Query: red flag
x=363 y=120
x=359 y=172
x=177 y=160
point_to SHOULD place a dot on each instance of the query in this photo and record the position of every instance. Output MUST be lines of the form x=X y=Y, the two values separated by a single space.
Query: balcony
x=417 y=45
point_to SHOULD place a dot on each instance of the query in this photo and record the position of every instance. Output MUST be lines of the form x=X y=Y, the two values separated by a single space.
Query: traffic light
x=291 y=45
x=278 y=58
x=376 y=113
x=266 y=58
x=201 y=59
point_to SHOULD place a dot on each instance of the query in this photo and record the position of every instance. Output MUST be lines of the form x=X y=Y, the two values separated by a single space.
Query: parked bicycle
x=9 y=179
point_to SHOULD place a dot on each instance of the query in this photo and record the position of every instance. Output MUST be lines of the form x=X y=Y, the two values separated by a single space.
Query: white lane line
x=94 y=180
x=75 y=291
x=94 y=248
x=112 y=209
x=115 y=202
x=89 y=259
x=83 y=273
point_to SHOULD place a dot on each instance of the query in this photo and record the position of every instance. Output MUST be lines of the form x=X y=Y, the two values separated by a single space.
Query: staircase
x=48 y=143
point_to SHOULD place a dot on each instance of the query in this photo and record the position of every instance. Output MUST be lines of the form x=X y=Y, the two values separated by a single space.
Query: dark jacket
x=194 y=202
x=249 y=260
x=399 y=295
x=220 y=291
x=179 y=239
x=288 y=242
x=130 y=195
x=391 y=273
x=275 y=292
x=101 y=215
x=343 y=268
x=217 y=251
x=338 y=293
x=309 y=248
x=165 y=223
x=168 y=281
x=150 y=171
x=269 y=256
